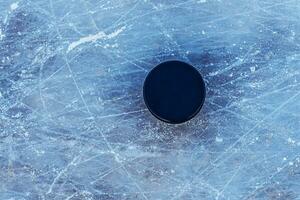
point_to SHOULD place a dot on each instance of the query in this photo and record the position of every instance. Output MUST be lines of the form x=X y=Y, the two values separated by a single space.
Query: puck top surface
x=174 y=91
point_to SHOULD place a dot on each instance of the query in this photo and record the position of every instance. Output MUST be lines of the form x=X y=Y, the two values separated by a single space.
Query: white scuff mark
x=1 y=34
x=278 y=169
x=202 y=1
x=14 y=6
x=219 y=139
x=284 y=158
x=5 y=19
x=109 y=46
x=93 y=38
x=291 y=141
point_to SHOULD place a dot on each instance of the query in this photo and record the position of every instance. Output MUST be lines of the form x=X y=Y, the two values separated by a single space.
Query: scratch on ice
x=93 y=38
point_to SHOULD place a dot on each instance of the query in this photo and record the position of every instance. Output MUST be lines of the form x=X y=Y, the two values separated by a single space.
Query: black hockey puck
x=174 y=91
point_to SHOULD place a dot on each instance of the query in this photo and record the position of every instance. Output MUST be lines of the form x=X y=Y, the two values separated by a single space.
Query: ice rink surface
x=73 y=124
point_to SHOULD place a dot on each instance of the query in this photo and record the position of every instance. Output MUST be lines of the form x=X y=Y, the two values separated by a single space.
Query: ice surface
x=73 y=124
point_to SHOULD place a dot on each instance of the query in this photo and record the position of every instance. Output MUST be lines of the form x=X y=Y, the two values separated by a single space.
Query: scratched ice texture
x=73 y=124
